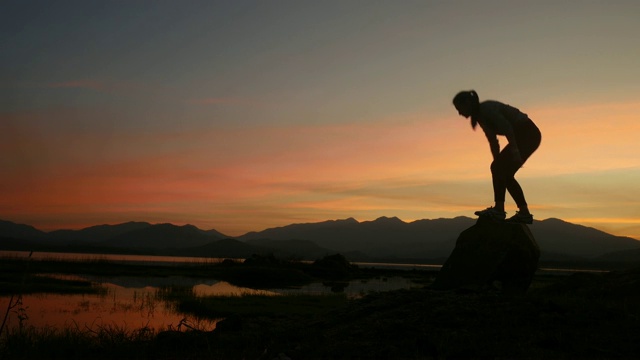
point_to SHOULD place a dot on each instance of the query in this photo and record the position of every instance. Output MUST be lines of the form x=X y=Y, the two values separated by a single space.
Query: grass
x=253 y=313
x=75 y=343
x=561 y=317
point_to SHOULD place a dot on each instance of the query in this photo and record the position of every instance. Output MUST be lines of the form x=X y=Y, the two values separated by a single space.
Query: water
x=176 y=260
x=133 y=306
x=130 y=302
x=117 y=258
x=135 y=303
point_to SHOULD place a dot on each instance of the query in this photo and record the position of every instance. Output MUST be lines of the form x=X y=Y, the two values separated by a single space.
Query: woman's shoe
x=492 y=213
x=521 y=218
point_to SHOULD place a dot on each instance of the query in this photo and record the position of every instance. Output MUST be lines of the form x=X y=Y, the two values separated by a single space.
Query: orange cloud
x=240 y=179
x=587 y=138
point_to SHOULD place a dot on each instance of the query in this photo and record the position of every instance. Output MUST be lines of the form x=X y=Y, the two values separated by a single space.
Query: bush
x=333 y=267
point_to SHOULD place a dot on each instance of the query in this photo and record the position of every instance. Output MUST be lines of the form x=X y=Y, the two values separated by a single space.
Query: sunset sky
x=243 y=115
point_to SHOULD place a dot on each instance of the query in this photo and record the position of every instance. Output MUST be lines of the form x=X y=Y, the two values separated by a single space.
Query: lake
x=132 y=302
x=136 y=302
x=177 y=260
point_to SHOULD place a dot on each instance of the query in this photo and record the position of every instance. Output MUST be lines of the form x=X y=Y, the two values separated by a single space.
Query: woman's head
x=467 y=104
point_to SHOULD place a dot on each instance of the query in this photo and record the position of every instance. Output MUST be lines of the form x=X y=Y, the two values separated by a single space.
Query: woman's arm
x=495 y=114
x=494 y=145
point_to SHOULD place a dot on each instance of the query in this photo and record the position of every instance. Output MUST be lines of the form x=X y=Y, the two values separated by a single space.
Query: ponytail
x=475 y=106
x=469 y=97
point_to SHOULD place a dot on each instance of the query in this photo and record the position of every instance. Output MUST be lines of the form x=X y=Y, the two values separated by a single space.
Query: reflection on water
x=118 y=307
x=137 y=302
x=176 y=260
x=118 y=258
x=223 y=288
x=355 y=288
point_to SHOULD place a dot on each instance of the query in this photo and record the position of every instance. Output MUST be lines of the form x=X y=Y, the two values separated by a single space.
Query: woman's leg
x=503 y=171
x=528 y=139
x=515 y=190
x=502 y=175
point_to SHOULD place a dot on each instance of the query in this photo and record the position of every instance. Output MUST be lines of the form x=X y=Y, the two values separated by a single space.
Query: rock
x=491 y=251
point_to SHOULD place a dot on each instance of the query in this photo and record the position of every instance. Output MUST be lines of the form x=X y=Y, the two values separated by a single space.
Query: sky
x=244 y=115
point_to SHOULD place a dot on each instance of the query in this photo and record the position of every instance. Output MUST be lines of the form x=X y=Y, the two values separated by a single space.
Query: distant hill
x=130 y=235
x=162 y=236
x=12 y=230
x=292 y=248
x=381 y=239
x=224 y=248
x=391 y=237
x=95 y=234
x=631 y=256
x=559 y=236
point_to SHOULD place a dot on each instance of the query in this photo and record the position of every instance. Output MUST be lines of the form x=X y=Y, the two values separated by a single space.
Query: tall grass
x=185 y=340
x=16 y=298
x=75 y=343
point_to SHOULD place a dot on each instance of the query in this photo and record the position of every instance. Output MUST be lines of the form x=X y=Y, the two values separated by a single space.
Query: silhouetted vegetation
x=258 y=271
x=560 y=317
x=267 y=271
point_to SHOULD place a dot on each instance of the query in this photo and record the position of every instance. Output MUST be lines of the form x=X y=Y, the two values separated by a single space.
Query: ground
x=584 y=315
x=548 y=323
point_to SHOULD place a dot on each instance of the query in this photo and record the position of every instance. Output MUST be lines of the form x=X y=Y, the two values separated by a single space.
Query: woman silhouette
x=496 y=118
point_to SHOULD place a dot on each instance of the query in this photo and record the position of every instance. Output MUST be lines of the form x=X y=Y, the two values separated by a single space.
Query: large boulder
x=491 y=253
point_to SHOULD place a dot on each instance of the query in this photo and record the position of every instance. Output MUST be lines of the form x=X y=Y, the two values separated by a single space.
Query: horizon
x=247 y=114
x=280 y=226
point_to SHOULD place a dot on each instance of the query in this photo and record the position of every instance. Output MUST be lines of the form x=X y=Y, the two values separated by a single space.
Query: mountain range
x=385 y=238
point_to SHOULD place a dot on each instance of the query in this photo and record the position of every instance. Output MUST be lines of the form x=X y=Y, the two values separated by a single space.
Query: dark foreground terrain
x=578 y=316
x=574 y=317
